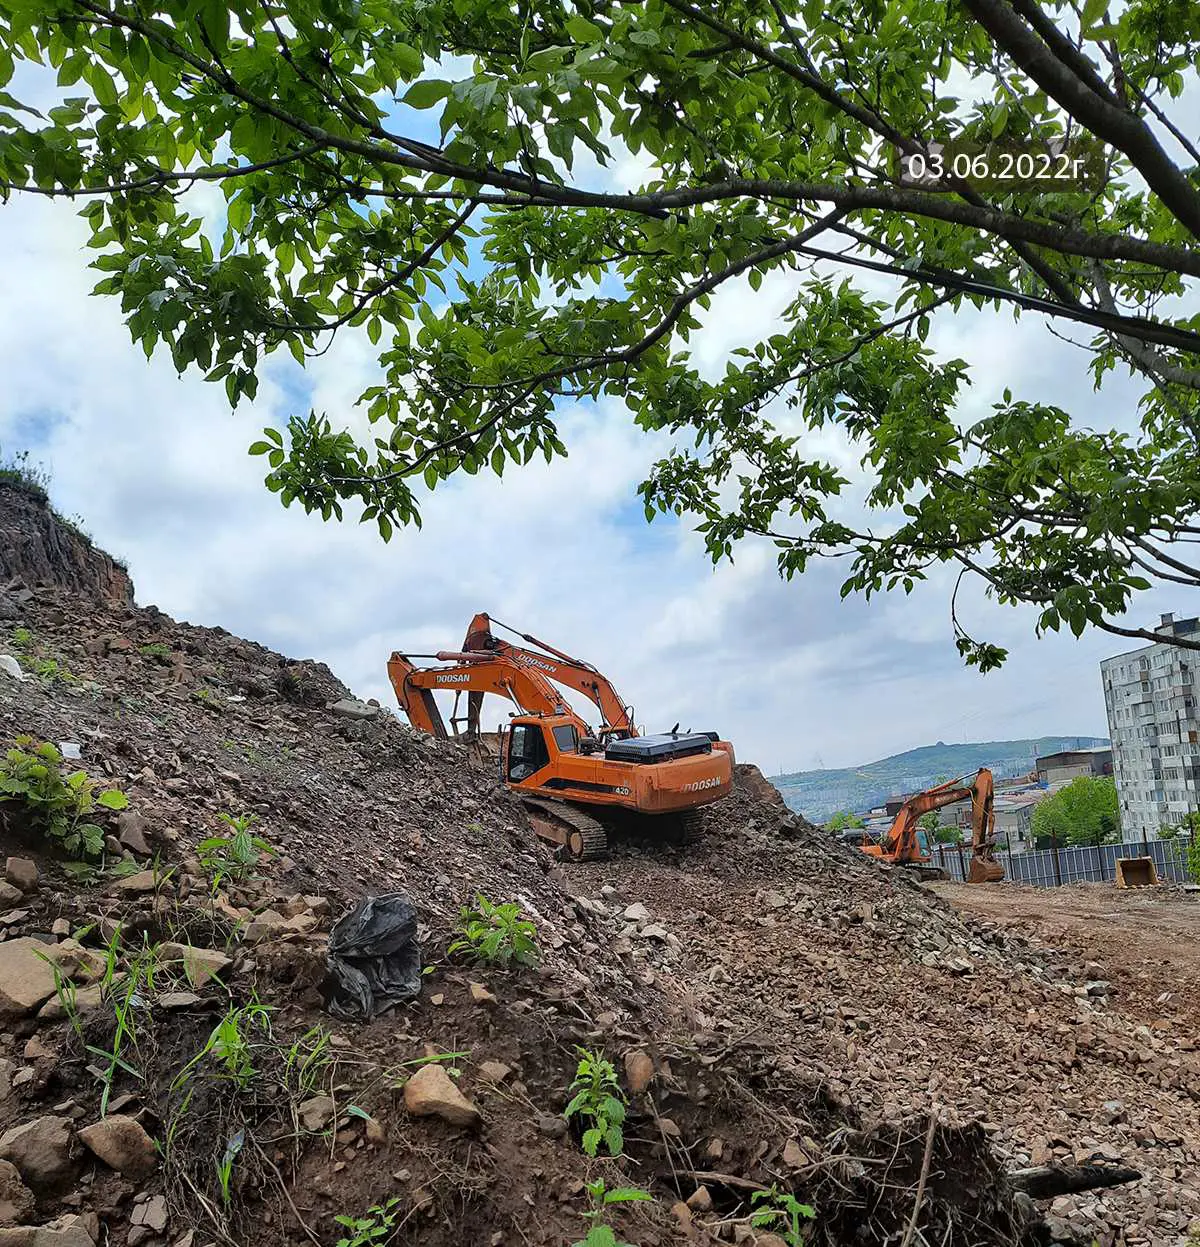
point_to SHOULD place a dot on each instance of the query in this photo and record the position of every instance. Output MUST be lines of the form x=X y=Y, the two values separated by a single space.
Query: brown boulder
x=16 y=1199
x=431 y=1093
x=22 y=873
x=26 y=978
x=41 y=1150
x=122 y=1144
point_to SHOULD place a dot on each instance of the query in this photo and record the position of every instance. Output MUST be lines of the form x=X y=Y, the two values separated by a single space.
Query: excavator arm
x=476 y=675
x=570 y=672
x=901 y=845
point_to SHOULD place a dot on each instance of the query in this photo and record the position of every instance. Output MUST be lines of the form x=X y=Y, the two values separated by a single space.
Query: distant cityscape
x=818 y=795
x=1153 y=755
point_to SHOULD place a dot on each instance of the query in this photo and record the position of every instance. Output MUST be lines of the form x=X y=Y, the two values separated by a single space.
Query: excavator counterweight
x=576 y=783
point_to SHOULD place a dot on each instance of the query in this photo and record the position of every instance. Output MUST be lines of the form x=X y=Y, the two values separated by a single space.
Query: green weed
x=56 y=805
x=49 y=671
x=156 y=649
x=230 y=1045
x=372 y=1230
x=235 y=855
x=599 y=1233
x=598 y=1099
x=783 y=1212
x=21 y=639
x=126 y=992
x=307 y=1062
x=496 y=934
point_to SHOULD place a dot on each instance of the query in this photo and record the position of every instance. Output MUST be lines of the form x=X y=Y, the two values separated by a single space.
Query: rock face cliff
x=38 y=548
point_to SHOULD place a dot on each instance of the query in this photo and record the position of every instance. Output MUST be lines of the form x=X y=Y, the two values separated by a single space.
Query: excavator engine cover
x=660 y=748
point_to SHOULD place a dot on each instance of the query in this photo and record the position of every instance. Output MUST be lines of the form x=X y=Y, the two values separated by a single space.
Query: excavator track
x=578 y=835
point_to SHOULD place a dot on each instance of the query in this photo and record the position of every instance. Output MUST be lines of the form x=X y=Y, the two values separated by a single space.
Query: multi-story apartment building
x=1151 y=698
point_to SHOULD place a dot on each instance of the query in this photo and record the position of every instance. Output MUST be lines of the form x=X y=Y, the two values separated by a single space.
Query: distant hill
x=819 y=794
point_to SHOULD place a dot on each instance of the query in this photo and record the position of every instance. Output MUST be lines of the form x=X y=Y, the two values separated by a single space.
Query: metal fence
x=1049 y=868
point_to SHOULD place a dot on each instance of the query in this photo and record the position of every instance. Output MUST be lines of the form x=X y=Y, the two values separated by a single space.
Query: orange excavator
x=901 y=846
x=575 y=783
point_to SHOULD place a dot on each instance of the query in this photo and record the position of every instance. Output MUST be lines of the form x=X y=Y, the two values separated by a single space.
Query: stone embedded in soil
x=637 y=912
x=68 y=1231
x=87 y=1000
x=16 y=1199
x=431 y=1093
x=700 y=1200
x=349 y=708
x=199 y=964
x=7 y=1069
x=41 y=1150
x=494 y=1071
x=26 y=980
x=263 y=926
x=22 y=872
x=122 y=1144
x=131 y=832
x=10 y=895
x=551 y=1127
x=136 y=885
x=639 y=1071
x=152 y=1214
x=317 y=1113
x=178 y=1000
x=480 y=994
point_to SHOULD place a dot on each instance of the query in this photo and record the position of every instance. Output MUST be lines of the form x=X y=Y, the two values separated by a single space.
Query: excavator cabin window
x=527 y=751
x=566 y=738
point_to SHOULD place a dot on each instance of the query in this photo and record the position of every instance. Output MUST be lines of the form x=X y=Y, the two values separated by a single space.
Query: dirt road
x=1147 y=941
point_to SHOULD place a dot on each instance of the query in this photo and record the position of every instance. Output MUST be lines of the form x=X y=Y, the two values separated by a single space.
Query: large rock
x=10 y=895
x=431 y=1093
x=131 y=832
x=351 y=708
x=41 y=1150
x=16 y=1199
x=22 y=872
x=26 y=979
x=122 y=1144
x=69 y=1231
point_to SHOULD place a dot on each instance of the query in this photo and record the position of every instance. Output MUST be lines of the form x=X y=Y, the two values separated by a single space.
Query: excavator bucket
x=981 y=871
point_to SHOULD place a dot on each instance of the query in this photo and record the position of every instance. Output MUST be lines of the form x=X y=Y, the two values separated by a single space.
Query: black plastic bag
x=374 y=960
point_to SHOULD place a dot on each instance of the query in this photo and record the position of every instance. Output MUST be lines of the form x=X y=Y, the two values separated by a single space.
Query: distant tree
x=1084 y=811
x=948 y=835
x=929 y=822
x=842 y=820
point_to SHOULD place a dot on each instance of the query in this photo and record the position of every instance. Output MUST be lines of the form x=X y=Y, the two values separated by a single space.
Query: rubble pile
x=787 y=1020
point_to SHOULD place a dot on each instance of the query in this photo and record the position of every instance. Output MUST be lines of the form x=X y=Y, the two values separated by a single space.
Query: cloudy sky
x=156 y=468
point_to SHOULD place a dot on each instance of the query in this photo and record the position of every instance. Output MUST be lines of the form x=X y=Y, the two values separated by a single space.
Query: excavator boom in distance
x=576 y=784
x=901 y=846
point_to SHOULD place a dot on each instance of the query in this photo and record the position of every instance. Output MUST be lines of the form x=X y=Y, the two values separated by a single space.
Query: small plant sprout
x=374 y=1229
x=225 y=1164
x=496 y=934
x=600 y=1234
x=232 y=856
x=21 y=638
x=598 y=1100
x=56 y=805
x=781 y=1211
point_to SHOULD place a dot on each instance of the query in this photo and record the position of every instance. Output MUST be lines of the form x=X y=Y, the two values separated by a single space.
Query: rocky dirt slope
x=782 y=1014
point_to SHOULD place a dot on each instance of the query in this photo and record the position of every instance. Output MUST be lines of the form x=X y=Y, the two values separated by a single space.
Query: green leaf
x=583 y=31
x=426 y=93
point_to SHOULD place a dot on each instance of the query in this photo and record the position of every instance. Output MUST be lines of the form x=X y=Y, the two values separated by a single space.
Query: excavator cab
x=526 y=751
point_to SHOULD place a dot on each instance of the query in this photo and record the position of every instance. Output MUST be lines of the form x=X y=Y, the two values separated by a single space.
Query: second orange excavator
x=901 y=846
x=575 y=783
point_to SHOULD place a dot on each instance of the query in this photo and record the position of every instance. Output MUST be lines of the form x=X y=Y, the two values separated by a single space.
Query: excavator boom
x=570 y=672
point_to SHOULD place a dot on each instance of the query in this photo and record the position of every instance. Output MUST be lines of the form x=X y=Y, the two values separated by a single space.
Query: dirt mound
x=773 y=1003
x=38 y=548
